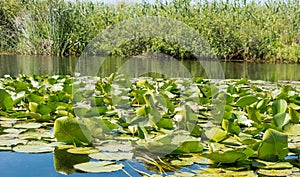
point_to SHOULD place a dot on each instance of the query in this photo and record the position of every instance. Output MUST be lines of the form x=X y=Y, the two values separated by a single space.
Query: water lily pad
x=12 y=142
x=38 y=148
x=6 y=124
x=83 y=150
x=70 y=131
x=274 y=146
x=65 y=146
x=230 y=156
x=28 y=125
x=181 y=163
x=246 y=100
x=270 y=165
x=198 y=159
x=274 y=172
x=185 y=174
x=112 y=156
x=5 y=148
x=295 y=116
x=292 y=129
x=14 y=131
x=115 y=146
x=36 y=134
x=222 y=172
x=281 y=119
x=98 y=167
x=279 y=106
x=216 y=134
x=9 y=119
x=6 y=102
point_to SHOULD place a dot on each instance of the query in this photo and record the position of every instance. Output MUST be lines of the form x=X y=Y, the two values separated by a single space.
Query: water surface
x=43 y=65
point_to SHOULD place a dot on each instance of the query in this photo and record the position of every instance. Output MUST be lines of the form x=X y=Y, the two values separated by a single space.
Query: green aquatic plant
x=170 y=117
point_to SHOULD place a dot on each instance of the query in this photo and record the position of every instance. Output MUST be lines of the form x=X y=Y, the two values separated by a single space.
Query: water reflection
x=64 y=161
x=42 y=65
x=39 y=65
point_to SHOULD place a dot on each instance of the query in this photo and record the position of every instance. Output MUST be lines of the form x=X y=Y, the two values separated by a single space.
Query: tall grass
x=236 y=30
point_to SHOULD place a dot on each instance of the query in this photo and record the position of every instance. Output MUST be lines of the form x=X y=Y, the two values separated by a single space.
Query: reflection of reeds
x=236 y=30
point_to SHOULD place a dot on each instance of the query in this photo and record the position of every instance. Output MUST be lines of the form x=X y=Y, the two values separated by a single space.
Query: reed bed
x=236 y=30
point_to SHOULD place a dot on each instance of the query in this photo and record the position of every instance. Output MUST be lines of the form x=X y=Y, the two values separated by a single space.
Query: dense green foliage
x=239 y=30
x=122 y=118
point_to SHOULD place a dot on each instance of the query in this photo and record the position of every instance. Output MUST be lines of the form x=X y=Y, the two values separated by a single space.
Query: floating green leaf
x=71 y=131
x=270 y=165
x=292 y=129
x=246 y=100
x=295 y=116
x=254 y=114
x=274 y=146
x=281 y=119
x=6 y=102
x=189 y=147
x=197 y=159
x=28 y=125
x=230 y=156
x=279 y=106
x=112 y=156
x=114 y=146
x=181 y=163
x=82 y=150
x=33 y=148
x=98 y=167
x=11 y=142
x=275 y=172
x=216 y=134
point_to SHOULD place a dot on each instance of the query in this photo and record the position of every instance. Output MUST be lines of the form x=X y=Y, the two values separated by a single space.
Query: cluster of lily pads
x=228 y=127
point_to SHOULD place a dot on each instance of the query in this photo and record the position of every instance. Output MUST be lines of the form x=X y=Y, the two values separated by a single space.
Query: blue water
x=14 y=164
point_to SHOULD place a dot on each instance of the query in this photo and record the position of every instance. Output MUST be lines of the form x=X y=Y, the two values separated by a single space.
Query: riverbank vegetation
x=239 y=30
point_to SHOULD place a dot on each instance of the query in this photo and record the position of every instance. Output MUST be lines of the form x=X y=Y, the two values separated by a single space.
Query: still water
x=15 y=65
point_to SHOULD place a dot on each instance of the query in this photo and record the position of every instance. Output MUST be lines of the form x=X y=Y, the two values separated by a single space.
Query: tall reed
x=236 y=30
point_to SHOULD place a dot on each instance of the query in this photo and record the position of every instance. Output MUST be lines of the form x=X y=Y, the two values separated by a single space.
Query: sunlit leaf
x=295 y=116
x=71 y=131
x=270 y=165
x=281 y=119
x=246 y=100
x=82 y=150
x=98 y=167
x=198 y=159
x=230 y=156
x=254 y=114
x=274 y=146
x=28 y=125
x=33 y=106
x=38 y=148
x=216 y=134
x=274 y=172
x=292 y=129
x=12 y=142
x=112 y=156
x=114 y=146
x=279 y=106
x=181 y=163
x=6 y=102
